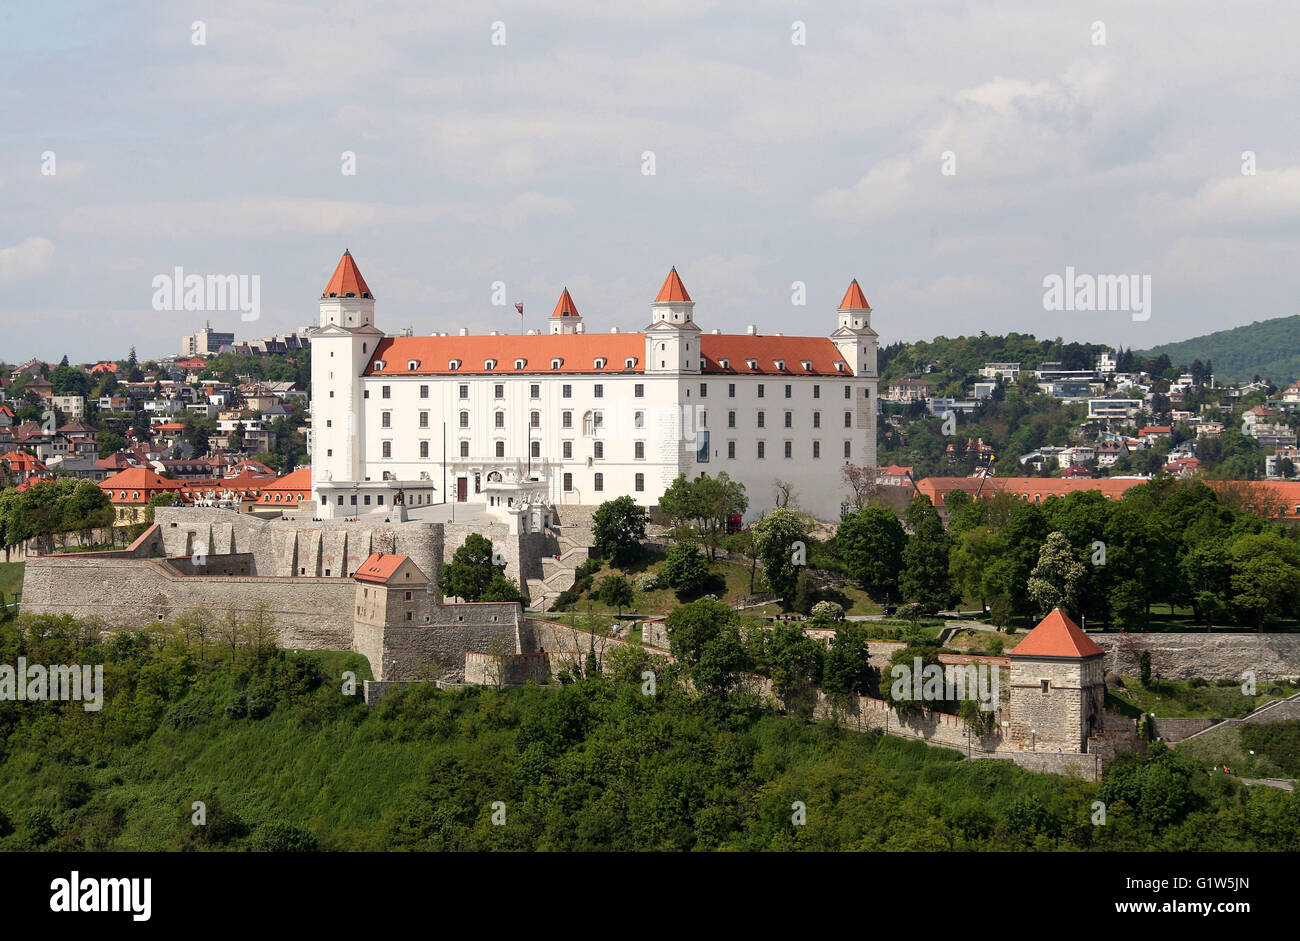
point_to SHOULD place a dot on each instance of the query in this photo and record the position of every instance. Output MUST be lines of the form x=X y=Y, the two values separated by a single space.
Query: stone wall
x=436 y=651
x=310 y=613
x=1067 y=713
x=1205 y=655
x=485 y=669
x=1175 y=730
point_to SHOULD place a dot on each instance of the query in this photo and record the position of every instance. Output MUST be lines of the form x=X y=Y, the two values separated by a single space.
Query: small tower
x=853 y=336
x=565 y=318
x=1058 y=688
x=672 y=341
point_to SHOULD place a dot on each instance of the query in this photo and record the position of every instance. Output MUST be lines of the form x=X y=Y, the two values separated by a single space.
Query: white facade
x=587 y=416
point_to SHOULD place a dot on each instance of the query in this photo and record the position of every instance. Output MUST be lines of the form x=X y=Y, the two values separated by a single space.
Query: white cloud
x=30 y=257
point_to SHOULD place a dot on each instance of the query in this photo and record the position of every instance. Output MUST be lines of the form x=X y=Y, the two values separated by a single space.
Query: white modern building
x=588 y=415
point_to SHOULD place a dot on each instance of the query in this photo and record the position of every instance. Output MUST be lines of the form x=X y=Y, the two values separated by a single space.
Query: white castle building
x=584 y=416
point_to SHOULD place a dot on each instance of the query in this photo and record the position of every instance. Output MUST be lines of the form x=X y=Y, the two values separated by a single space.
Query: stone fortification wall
x=310 y=613
x=485 y=669
x=1205 y=655
x=436 y=651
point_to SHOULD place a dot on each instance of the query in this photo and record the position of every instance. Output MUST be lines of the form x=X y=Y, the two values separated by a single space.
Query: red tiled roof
x=346 y=280
x=22 y=461
x=819 y=352
x=1155 y=430
x=139 y=480
x=673 y=289
x=1031 y=488
x=1056 y=636
x=565 y=307
x=854 y=299
x=579 y=351
x=293 y=485
x=379 y=567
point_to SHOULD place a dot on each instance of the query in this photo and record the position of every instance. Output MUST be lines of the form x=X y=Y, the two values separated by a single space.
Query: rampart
x=1210 y=656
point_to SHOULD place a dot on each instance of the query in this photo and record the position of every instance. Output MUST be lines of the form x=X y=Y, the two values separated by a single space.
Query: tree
x=617 y=527
x=925 y=579
x=742 y=544
x=706 y=503
x=684 y=569
x=848 y=671
x=616 y=592
x=792 y=660
x=780 y=539
x=503 y=589
x=110 y=442
x=972 y=565
x=1265 y=576
x=870 y=543
x=861 y=481
x=471 y=570
x=1058 y=577
x=705 y=637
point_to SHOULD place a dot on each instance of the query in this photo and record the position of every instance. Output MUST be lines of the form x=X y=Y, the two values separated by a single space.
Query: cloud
x=30 y=257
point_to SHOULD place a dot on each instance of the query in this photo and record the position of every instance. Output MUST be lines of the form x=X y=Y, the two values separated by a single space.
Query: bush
x=828 y=609
x=283 y=838
x=647 y=581
x=590 y=567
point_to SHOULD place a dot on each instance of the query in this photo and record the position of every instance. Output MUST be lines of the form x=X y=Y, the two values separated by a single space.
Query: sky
x=948 y=155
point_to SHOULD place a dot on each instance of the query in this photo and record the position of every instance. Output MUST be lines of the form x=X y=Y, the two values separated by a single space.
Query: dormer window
x=520 y=363
x=557 y=363
x=724 y=363
x=806 y=364
x=839 y=367
x=412 y=365
x=600 y=362
x=379 y=365
x=629 y=363
x=489 y=364
x=780 y=364
x=751 y=363
x=454 y=365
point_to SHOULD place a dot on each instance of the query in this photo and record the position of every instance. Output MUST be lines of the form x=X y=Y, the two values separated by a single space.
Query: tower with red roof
x=1058 y=688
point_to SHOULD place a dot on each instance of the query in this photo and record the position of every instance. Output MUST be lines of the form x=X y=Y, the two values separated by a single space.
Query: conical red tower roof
x=347 y=280
x=854 y=299
x=1057 y=636
x=565 y=307
x=673 y=289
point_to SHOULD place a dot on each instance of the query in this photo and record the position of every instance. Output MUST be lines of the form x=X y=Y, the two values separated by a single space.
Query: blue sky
x=522 y=163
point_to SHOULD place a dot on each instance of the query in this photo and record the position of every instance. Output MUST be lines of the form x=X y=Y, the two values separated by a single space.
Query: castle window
x=599 y=391
x=779 y=364
x=388 y=452
x=499 y=391
x=386 y=419
x=379 y=365
x=557 y=363
x=789 y=449
x=817 y=392
x=412 y=365
x=638 y=390
x=424 y=449
x=598 y=483
x=638 y=421
x=848 y=392
x=537 y=449
x=724 y=363
x=789 y=419
x=500 y=419
x=751 y=363
x=568 y=483
x=424 y=392
x=817 y=419
x=704 y=391
x=534 y=391
x=464 y=419
x=598 y=450
x=848 y=419
x=788 y=390
x=453 y=365
x=424 y=419
x=489 y=364
x=520 y=363
x=761 y=450
x=731 y=450
x=566 y=419
x=567 y=450
x=762 y=420
x=806 y=364
x=1045 y=686
x=464 y=449
x=839 y=367
x=566 y=391
x=638 y=450
x=535 y=419
x=464 y=391
x=387 y=392
x=629 y=363
x=501 y=449
x=600 y=362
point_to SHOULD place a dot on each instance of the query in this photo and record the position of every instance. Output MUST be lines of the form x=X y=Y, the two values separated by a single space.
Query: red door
x=462 y=489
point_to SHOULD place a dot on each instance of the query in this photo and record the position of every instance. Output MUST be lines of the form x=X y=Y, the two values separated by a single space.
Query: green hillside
x=1267 y=348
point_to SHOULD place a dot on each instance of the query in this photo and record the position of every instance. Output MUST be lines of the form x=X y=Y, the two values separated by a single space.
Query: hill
x=1268 y=348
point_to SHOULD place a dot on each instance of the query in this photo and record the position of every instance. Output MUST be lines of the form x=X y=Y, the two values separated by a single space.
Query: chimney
x=580 y=328
x=613 y=329
x=464 y=331
x=752 y=330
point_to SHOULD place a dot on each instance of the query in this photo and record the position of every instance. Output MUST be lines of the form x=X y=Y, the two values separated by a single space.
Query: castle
x=582 y=416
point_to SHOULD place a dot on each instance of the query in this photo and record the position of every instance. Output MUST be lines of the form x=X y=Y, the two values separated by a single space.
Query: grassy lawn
x=730 y=582
x=1182 y=699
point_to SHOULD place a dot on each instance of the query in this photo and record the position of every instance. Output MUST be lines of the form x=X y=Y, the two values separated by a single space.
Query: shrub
x=828 y=609
x=283 y=838
x=647 y=581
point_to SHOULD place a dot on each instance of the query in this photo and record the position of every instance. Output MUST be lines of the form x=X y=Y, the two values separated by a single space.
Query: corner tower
x=341 y=348
x=672 y=341
x=565 y=318
x=853 y=336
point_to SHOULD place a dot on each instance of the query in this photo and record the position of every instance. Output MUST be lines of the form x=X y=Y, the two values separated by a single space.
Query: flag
x=520 y=308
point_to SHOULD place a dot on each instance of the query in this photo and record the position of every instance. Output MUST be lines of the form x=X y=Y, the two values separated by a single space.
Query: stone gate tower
x=1058 y=691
